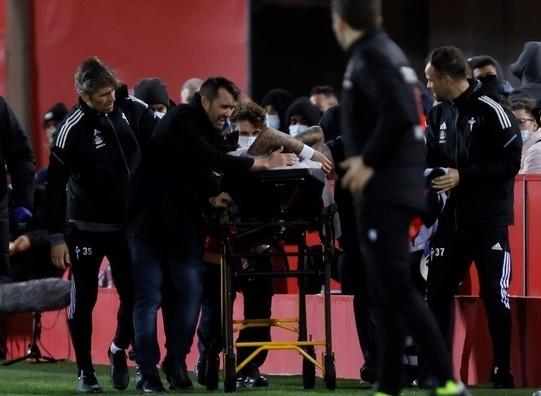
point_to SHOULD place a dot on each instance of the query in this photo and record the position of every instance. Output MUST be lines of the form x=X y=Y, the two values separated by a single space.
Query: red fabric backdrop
x=170 y=39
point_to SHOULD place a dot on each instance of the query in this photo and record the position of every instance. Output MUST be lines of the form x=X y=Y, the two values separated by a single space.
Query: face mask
x=49 y=131
x=294 y=130
x=525 y=135
x=246 y=141
x=273 y=121
x=491 y=85
x=159 y=114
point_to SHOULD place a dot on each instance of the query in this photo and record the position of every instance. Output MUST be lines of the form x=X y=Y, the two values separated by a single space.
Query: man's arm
x=17 y=152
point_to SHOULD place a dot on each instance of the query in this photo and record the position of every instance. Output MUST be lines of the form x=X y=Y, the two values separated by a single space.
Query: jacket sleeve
x=505 y=143
x=432 y=146
x=61 y=166
x=17 y=152
x=396 y=106
x=204 y=154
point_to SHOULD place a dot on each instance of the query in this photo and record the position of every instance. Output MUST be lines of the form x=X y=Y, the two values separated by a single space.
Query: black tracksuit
x=96 y=155
x=17 y=160
x=480 y=139
x=381 y=123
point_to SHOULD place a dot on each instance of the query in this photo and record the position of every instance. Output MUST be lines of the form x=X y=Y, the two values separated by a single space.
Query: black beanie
x=302 y=106
x=55 y=113
x=152 y=91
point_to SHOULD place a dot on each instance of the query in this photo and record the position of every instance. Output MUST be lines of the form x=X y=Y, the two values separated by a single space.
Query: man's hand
x=446 y=182
x=326 y=164
x=276 y=159
x=21 y=244
x=220 y=201
x=60 y=256
x=357 y=174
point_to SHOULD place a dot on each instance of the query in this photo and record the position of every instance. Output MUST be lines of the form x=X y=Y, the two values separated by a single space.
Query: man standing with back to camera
x=384 y=172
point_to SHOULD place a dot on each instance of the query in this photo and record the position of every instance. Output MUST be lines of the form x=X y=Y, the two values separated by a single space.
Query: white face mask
x=525 y=135
x=273 y=121
x=246 y=141
x=294 y=130
x=50 y=131
x=159 y=114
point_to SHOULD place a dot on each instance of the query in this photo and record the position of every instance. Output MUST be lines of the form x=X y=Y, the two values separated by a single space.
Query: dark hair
x=252 y=113
x=92 y=74
x=449 y=61
x=209 y=89
x=326 y=90
x=526 y=104
x=359 y=14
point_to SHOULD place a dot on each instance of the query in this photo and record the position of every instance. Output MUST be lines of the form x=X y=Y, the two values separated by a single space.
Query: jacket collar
x=464 y=97
x=366 y=37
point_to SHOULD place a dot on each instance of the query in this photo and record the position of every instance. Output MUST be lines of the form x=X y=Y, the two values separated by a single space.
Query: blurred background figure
x=323 y=97
x=276 y=102
x=153 y=92
x=189 y=87
x=301 y=115
x=52 y=118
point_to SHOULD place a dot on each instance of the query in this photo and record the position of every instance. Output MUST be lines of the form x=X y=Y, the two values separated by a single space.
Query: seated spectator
x=531 y=136
x=276 y=102
x=153 y=92
x=487 y=70
x=323 y=97
x=301 y=115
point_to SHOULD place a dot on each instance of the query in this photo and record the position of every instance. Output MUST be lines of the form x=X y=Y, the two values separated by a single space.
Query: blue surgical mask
x=525 y=135
x=294 y=130
x=273 y=121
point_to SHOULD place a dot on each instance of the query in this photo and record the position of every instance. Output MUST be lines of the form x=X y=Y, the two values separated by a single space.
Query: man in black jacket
x=165 y=220
x=95 y=152
x=480 y=143
x=384 y=166
x=17 y=160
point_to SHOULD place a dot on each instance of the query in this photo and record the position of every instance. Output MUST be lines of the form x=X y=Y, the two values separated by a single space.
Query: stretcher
x=273 y=207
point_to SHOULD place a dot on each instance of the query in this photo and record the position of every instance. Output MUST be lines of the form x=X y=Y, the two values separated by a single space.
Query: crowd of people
x=135 y=178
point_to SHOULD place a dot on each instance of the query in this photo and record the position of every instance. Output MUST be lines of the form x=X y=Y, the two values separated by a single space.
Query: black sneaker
x=138 y=378
x=254 y=379
x=176 y=374
x=368 y=374
x=120 y=376
x=151 y=383
x=88 y=383
x=200 y=371
x=502 y=379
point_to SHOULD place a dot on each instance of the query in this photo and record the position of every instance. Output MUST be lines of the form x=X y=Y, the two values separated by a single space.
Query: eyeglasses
x=524 y=120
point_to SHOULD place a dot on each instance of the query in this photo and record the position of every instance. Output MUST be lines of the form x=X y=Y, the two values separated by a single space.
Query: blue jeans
x=184 y=271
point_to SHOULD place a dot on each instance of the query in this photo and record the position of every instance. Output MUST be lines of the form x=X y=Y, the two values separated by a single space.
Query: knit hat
x=55 y=113
x=152 y=91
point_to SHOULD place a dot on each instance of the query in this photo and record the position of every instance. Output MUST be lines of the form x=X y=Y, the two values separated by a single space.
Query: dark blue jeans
x=150 y=267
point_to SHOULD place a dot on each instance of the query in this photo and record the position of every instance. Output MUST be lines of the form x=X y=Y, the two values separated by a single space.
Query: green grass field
x=59 y=379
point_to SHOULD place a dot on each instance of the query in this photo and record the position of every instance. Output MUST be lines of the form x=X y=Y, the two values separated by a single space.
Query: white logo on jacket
x=443 y=132
x=98 y=139
x=472 y=122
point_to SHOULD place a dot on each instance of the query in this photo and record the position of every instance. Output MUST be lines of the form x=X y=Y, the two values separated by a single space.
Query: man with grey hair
x=95 y=152
x=189 y=87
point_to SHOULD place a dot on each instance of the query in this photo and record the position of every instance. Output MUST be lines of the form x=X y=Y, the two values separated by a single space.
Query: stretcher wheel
x=309 y=369
x=330 y=372
x=230 y=376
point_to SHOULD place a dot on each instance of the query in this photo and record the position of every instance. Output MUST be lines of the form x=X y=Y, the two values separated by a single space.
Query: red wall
x=170 y=39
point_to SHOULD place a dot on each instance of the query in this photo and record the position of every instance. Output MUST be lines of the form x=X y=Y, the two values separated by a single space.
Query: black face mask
x=491 y=85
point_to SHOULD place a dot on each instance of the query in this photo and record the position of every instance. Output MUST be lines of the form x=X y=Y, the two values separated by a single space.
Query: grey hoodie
x=528 y=69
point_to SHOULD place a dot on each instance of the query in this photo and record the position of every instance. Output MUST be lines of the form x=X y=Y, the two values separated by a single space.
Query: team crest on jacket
x=98 y=139
x=443 y=132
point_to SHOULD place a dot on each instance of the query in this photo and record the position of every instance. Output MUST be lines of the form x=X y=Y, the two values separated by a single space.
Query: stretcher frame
x=233 y=230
